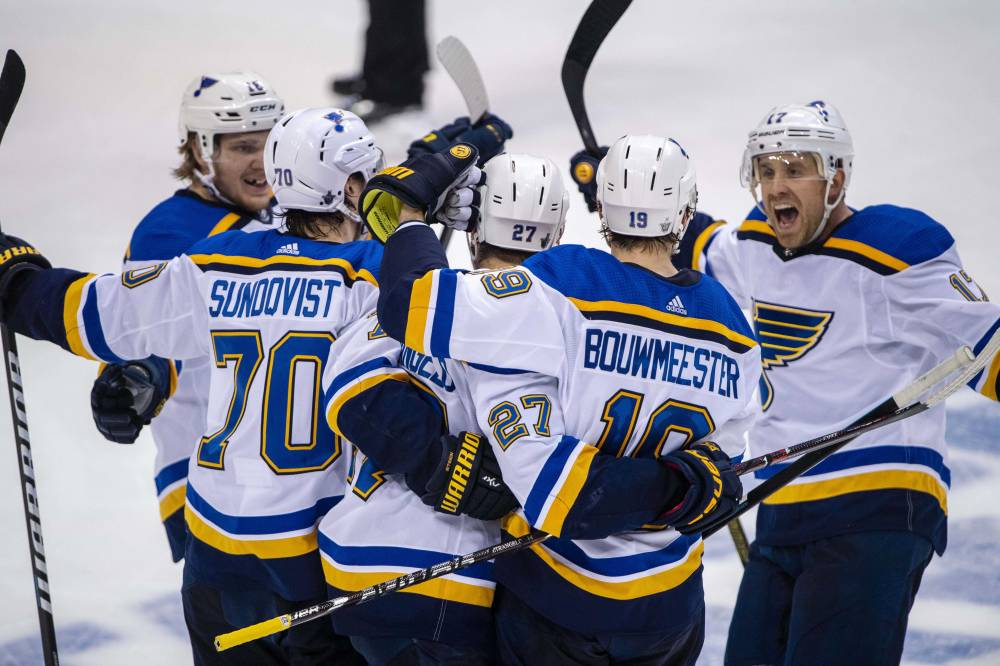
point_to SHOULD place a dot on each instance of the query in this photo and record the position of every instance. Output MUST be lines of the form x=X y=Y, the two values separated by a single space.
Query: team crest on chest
x=786 y=334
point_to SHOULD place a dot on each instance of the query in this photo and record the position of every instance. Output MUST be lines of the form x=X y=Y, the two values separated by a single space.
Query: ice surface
x=91 y=146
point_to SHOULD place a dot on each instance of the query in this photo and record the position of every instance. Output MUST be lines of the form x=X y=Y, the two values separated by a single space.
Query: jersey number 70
x=297 y=351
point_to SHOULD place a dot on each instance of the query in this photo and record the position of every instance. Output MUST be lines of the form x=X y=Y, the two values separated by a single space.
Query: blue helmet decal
x=206 y=82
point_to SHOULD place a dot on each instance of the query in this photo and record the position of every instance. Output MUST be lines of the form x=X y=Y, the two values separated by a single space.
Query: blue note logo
x=786 y=334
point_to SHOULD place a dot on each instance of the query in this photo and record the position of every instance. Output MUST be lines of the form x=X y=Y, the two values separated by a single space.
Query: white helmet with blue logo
x=310 y=155
x=226 y=104
x=646 y=187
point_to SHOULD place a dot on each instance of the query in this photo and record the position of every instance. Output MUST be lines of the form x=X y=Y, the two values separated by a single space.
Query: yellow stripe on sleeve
x=225 y=224
x=437 y=588
x=992 y=377
x=699 y=243
x=173 y=501
x=71 y=311
x=881 y=480
x=357 y=388
x=570 y=490
x=416 y=317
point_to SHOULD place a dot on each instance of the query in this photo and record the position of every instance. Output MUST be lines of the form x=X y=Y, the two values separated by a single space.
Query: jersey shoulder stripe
x=885 y=239
x=602 y=287
x=891 y=235
x=177 y=223
x=252 y=254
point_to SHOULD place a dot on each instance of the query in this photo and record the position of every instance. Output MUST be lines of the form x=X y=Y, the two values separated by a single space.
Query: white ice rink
x=92 y=143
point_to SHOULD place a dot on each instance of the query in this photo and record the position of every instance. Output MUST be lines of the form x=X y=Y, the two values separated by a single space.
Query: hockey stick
x=903 y=404
x=282 y=622
x=11 y=84
x=461 y=67
x=962 y=358
x=595 y=25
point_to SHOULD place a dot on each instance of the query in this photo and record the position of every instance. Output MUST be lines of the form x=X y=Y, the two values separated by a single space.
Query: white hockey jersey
x=265 y=308
x=629 y=364
x=842 y=326
x=167 y=231
x=381 y=529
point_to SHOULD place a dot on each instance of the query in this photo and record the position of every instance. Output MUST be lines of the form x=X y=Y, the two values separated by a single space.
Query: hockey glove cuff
x=126 y=397
x=422 y=183
x=440 y=139
x=489 y=136
x=713 y=487
x=17 y=255
x=583 y=167
x=468 y=480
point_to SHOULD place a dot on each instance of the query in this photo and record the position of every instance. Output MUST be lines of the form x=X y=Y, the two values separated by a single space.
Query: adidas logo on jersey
x=291 y=248
x=676 y=306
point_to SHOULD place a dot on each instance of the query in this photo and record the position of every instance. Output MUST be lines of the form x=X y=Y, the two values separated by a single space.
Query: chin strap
x=827 y=209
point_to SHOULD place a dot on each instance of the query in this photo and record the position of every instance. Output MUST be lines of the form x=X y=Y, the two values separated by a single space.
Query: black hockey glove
x=127 y=397
x=583 y=167
x=17 y=255
x=437 y=140
x=422 y=183
x=714 y=488
x=488 y=135
x=468 y=480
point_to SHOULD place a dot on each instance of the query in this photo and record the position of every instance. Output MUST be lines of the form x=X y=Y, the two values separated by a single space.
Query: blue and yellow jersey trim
x=353 y=568
x=171 y=488
x=987 y=382
x=692 y=327
x=885 y=239
x=431 y=313
x=356 y=380
x=265 y=537
x=82 y=322
x=871 y=469
x=558 y=484
x=623 y=578
x=244 y=265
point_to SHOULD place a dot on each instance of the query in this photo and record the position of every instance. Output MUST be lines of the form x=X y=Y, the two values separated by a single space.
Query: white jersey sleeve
x=938 y=306
x=481 y=317
x=157 y=310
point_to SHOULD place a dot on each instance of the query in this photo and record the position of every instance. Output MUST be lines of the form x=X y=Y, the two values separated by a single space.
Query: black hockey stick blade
x=11 y=84
x=597 y=21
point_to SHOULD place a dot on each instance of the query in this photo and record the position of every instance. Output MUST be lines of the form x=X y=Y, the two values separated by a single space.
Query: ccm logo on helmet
x=263 y=107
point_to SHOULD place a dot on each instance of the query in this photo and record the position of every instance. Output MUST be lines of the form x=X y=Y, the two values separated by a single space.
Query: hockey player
x=224 y=121
x=848 y=306
x=633 y=367
x=394 y=405
x=265 y=309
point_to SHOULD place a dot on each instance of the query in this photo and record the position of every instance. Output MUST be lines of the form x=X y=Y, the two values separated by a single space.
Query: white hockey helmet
x=311 y=153
x=646 y=187
x=524 y=204
x=816 y=128
x=226 y=104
